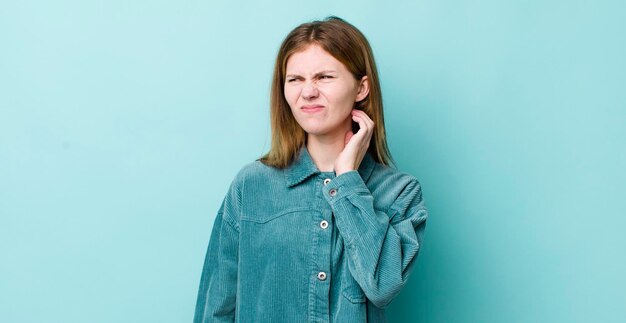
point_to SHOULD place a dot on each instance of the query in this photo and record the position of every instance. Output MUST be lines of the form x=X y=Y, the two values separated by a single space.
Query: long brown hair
x=349 y=46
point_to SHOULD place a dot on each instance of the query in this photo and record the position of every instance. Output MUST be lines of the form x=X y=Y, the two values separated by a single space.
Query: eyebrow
x=316 y=74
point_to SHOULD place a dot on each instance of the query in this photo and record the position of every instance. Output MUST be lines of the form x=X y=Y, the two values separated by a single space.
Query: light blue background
x=122 y=124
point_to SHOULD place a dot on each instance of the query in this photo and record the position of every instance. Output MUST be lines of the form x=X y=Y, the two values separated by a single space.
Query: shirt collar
x=304 y=167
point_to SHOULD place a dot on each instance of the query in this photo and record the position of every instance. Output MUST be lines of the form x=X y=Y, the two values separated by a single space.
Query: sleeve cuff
x=344 y=185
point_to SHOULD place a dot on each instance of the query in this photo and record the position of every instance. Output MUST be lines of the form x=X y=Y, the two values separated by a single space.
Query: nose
x=309 y=91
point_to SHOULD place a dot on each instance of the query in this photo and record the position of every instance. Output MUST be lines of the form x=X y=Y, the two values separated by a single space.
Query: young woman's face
x=321 y=92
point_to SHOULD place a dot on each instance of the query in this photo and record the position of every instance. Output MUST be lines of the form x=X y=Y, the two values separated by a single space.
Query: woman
x=321 y=228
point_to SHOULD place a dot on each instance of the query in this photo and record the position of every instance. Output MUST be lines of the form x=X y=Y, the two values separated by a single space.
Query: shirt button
x=332 y=192
x=326 y=181
x=321 y=275
x=324 y=224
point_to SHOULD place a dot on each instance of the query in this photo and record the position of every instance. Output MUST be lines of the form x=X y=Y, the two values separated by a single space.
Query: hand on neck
x=325 y=149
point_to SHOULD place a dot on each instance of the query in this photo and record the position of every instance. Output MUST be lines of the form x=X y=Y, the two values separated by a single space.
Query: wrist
x=342 y=171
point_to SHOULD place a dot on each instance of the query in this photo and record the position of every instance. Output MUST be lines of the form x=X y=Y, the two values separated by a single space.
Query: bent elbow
x=381 y=298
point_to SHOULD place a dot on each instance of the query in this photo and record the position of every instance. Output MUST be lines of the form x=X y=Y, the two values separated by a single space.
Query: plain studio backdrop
x=122 y=124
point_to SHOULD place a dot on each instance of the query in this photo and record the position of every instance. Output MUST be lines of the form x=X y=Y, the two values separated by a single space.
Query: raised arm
x=381 y=246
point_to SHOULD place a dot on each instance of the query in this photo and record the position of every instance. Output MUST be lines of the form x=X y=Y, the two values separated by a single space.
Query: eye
x=326 y=77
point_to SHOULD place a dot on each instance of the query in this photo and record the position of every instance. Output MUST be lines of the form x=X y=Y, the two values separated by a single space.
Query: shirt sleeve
x=381 y=246
x=218 y=283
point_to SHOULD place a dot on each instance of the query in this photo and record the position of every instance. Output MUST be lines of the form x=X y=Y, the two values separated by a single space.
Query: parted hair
x=349 y=46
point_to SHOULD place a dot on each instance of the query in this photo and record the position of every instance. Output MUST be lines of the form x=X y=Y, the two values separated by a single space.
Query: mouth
x=312 y=108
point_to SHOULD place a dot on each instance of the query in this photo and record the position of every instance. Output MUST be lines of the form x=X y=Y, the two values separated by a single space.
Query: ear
x=364 y=89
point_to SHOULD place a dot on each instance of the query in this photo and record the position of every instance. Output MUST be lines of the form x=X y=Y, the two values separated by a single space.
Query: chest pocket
x=285 y=230
x=350 y=288
x=265 y=217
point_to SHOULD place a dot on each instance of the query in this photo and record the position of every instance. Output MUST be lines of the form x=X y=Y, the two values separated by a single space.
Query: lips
x=312 y=108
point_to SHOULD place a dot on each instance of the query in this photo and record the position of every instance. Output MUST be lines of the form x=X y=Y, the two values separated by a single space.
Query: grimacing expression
x=321 y=92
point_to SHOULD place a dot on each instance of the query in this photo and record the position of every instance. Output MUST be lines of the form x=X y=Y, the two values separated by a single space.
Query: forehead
x=312 y=58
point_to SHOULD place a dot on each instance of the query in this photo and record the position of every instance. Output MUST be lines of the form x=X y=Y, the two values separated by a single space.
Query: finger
x=366 y=128
x=363 y=122
x=364 y=115
x=363 y=127
x=361 y=113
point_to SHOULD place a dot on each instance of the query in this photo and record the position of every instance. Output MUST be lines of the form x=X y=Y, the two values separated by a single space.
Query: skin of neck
x=325 y=148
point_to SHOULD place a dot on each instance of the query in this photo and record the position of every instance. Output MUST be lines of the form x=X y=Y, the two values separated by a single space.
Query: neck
x=324 y=149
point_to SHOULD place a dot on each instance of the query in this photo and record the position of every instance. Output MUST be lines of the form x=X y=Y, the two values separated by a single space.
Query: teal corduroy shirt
x=300 y=245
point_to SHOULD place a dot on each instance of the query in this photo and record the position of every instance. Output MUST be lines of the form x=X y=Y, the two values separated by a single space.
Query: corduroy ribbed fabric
x=300 y=245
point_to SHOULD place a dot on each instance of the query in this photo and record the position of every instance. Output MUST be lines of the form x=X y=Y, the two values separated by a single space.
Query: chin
x=319 y=129
x=315 y=131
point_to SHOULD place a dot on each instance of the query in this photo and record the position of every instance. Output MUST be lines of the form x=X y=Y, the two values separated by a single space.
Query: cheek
x=341 y=98
x=340 y=92
x=291 y=94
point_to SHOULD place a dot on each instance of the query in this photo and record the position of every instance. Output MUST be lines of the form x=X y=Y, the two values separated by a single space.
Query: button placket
x=324 y=224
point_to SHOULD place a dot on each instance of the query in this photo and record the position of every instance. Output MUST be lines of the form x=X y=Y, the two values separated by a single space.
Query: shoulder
x=248 y=180
x=387 y=176
x=256 y=172
x=396 y=191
